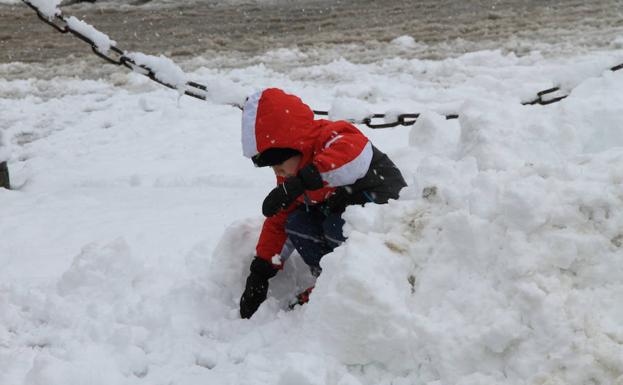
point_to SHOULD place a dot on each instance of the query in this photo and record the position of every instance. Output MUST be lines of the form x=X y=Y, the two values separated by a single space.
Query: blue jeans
x=314 y=234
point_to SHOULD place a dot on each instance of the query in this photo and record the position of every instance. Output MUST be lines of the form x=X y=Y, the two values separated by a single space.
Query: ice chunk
x=404 y=41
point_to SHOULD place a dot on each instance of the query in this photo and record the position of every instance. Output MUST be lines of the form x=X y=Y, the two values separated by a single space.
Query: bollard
x=4 y=176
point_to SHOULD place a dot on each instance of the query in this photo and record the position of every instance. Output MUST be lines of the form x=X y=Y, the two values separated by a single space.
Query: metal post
x=4 y=176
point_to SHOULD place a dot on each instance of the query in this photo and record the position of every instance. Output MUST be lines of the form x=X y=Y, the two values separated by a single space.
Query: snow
x=101 y=40
x=47 y=8
x=126 y=244
x=406 y=42
x=164 y=69
x=351 y=109
x=224 y=91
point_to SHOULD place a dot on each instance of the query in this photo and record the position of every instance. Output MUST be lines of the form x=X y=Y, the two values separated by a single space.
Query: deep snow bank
x=501 y=263
x=510 y=276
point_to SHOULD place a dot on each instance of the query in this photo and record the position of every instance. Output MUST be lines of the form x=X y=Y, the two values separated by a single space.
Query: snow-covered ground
x=125 y=244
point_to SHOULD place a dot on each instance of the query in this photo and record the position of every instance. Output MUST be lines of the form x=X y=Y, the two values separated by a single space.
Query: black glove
x=311 y=177
x=257 y=286
x=285 y=194
x=336 y=202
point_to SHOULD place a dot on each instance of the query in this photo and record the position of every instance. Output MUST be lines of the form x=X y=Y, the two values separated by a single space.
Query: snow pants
x=314 y=233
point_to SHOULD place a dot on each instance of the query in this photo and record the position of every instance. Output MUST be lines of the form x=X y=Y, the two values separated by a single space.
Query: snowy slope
x=124 y=248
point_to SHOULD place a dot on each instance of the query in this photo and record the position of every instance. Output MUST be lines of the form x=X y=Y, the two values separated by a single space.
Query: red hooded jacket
x=341 y=153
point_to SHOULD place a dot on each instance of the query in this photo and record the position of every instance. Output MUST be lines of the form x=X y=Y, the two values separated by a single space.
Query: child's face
x=288 y=167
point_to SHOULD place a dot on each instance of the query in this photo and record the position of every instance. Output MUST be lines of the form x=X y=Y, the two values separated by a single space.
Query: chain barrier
x=401 y=120
x=199 y=91
x=554 y=94
x=194 y=89
x=120 y=58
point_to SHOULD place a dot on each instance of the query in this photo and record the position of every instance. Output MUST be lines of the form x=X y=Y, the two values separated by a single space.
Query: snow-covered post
x=4 y=176
x=4 y=170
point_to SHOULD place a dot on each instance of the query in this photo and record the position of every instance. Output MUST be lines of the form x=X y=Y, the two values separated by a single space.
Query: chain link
x=553 y=95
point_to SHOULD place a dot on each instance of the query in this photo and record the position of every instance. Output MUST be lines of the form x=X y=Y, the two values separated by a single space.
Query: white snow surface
x=101 y=40
x=125 y=245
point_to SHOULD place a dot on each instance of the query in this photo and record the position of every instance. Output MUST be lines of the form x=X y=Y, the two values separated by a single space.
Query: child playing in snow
x=321 y=167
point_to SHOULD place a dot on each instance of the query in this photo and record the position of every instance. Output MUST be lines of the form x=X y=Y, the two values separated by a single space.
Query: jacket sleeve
x=273 y=236
x=345 y=155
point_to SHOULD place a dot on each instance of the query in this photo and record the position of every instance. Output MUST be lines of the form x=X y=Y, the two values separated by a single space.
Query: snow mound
x=521 y=289
x=500 y=265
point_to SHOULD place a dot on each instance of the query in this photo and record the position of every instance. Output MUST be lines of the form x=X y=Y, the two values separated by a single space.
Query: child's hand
x=257 y=286
x=286 y=193
x=282 y=196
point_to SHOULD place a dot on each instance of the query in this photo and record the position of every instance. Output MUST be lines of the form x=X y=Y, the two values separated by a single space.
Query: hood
x=273 y=119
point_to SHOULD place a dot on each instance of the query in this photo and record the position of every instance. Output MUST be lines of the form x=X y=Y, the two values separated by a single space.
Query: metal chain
x=199 y=91
x=402 y=119
x=120 y=58
x=196 y=90
x=553 y=95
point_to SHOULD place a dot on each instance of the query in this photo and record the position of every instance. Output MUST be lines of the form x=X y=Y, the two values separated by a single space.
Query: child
x=321 y=167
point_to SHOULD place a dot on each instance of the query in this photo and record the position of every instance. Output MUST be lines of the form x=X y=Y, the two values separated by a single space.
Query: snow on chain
x=47 y=8
x=101 y=40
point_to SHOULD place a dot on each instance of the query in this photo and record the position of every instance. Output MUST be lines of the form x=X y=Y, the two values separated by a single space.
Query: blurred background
x=240 y=30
